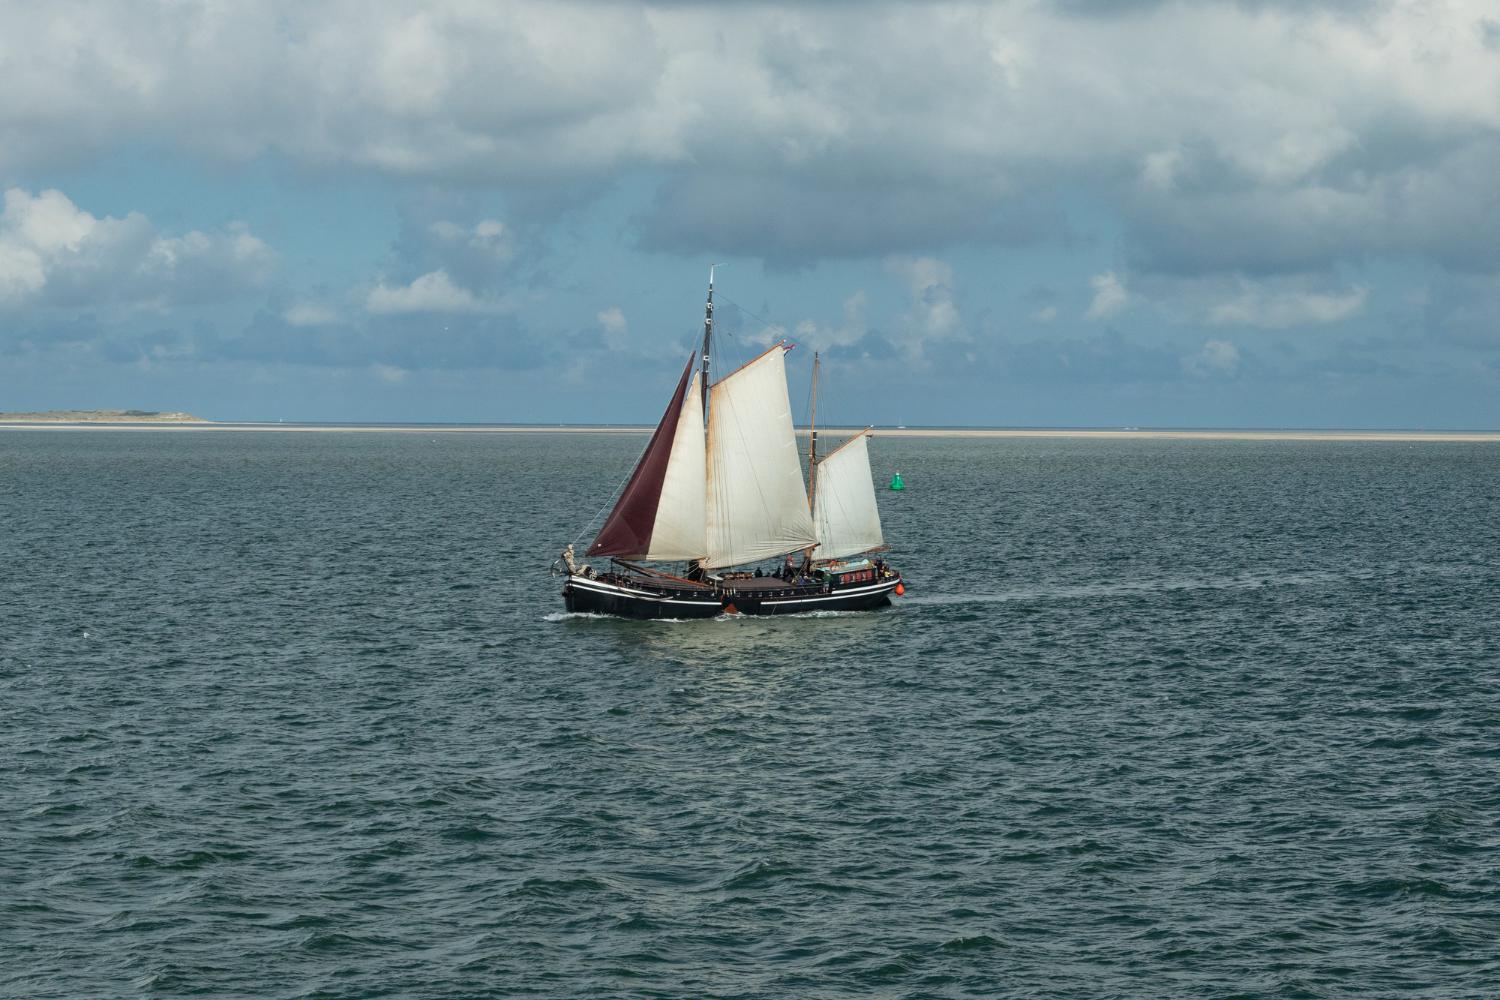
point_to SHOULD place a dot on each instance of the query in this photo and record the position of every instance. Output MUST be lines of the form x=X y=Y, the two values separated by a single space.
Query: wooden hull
x=607 y=596
x=634 y=598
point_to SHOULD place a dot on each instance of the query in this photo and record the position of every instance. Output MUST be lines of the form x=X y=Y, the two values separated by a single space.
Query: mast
x=812 y=446
x=708 y=333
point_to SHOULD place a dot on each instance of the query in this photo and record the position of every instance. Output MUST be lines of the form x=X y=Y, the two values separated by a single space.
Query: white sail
x=847 y=519
x=757 y=502
x=678 y=531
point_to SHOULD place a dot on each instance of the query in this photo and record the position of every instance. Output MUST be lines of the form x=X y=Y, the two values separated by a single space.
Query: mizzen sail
x=847 y=520
x=660 y=513
x=757 y=503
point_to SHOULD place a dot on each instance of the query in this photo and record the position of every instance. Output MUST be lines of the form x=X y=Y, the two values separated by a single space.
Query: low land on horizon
x=101 y=416
x=137 y=420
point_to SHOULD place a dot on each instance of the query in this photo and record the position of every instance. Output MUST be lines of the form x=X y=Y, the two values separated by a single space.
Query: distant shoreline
x=184 y=422
x=100 y=416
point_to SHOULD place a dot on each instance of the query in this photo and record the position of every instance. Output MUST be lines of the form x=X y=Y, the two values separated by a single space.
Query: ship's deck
x=758 y=584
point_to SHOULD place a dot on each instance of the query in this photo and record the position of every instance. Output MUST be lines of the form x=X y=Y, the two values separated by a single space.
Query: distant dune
x=102 y=417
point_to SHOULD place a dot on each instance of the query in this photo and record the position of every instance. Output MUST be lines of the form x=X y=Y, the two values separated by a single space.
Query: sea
x=300 y=715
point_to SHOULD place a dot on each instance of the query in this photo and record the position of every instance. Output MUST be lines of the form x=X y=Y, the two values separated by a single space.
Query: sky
x=1218 y=213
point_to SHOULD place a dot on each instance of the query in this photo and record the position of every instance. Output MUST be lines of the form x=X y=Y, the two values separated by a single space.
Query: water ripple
x=301 y=716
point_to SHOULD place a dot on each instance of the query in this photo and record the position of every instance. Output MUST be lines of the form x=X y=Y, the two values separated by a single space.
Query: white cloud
x=1159 y=170
x=1110 y=296
x=433 y=292
x=389 y=374
x=822 y=336
x=933 y=314
x=310 y=314
x=1046 y=314
x=1221 y=98
x=614 y=327
x=1279 y=309
x=54 y=253
x=488 y=238
x=1215 y=358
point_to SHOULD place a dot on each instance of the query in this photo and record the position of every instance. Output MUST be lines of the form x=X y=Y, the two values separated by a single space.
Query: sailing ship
x=720 y=490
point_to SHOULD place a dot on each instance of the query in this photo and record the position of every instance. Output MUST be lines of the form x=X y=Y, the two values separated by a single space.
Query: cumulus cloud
x=934 y=314
x=1215 y=358
x=310 y=314
x=613 y=326
x=822 y=336
x=1110 y=296
x=433 y=292
x=53 y=253
x=477 y=255
x=1279 y=309
x=389 y=374
x=802 y=131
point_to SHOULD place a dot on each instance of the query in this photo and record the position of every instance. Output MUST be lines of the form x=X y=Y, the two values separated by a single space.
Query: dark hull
x=633 y=598
x=605 y=596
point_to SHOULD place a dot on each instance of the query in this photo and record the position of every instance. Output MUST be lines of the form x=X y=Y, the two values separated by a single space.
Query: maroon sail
x=627 y=530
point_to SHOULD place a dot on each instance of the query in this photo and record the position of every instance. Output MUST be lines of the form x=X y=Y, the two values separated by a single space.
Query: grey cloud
x=796 y=221
x=1109 y=357
x=406 y=342
x=793 y=132
x=1443 y=211
x=1464 y=310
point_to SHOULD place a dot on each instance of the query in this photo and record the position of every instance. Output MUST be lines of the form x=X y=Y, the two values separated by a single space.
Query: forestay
x=757 y=501
x=847 y=519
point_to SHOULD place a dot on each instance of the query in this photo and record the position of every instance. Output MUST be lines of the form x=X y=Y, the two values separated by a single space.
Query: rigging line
x=756 y=316
x=777 y=329
x=613 y=495
x=782 y=330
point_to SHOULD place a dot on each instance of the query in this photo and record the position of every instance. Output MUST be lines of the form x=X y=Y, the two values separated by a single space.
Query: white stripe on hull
x=602 y=588
x=835 y=595
x=613 y=590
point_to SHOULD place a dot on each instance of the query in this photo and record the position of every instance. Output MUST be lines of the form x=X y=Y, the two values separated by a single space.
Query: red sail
x=627 y=530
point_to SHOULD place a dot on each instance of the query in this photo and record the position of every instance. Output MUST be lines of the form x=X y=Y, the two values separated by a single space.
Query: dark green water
x=296 y=715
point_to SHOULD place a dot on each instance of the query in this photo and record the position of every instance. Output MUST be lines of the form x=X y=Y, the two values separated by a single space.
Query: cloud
x=1279 y=309
x=433 y=292
x=1215 y=358
x=933 y=314
x=1110 y=296
x=53 y=253
x=385 y=344
x=853 y=328
x=310 y=314
x=389 y=374
x=1108 y=357
x=1264 y=135
x=613 y=326
x=477 y=256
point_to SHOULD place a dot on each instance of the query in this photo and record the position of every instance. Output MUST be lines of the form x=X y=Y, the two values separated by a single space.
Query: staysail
x=757 y=503
x=847 y=520
x=660 y=513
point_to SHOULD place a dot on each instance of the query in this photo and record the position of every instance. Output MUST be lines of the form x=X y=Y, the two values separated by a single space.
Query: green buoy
x=897 y=483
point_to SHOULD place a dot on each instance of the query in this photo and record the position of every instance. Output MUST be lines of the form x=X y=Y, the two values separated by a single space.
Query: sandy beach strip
x=1097 y=434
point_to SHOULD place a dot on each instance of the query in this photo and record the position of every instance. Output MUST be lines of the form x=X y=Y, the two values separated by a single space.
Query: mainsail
x=757 y=503
x=848 y=522
x=660 y=514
